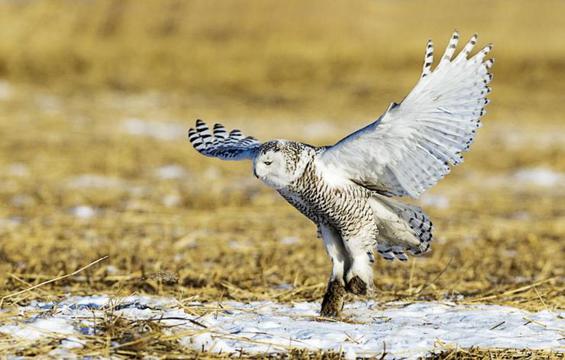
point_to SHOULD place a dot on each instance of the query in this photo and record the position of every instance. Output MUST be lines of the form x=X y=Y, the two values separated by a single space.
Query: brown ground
x=96 y=99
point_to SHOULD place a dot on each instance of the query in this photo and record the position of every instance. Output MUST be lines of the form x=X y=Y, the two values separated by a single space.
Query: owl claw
x=357 y=286
x=333 y=300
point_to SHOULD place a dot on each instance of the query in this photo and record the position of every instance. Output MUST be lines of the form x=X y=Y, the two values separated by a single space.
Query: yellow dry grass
x=80 y=77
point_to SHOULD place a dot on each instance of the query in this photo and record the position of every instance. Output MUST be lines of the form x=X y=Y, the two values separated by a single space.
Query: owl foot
x=333 y=299
x=357 y=286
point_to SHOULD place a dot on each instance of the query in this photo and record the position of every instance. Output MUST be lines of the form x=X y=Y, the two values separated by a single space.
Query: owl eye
x=267 y=162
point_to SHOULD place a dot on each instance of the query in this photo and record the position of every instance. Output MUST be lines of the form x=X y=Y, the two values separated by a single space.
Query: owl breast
x=344 y=207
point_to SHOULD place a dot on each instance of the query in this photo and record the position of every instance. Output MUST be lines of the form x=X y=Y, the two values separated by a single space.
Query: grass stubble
x=212 y=232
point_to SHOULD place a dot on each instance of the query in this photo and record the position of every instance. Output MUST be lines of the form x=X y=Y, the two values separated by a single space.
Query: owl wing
x=220 y=144
x=413 y=144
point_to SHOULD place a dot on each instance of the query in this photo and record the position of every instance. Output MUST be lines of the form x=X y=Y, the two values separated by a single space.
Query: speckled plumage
x=346 y=189
x=345 y=208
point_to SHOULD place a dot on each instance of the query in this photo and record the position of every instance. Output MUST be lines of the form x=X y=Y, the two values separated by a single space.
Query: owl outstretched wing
x=414 y=143
x=220 y=144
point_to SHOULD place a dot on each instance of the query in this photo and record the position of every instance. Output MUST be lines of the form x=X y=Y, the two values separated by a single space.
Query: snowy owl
x=347 y=189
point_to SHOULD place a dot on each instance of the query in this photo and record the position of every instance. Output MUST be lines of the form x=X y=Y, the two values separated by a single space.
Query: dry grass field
x=96 y=97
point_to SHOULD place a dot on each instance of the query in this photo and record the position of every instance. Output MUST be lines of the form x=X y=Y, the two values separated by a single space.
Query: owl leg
x=359 y=276
x=357 y=286
x=335 y=294
x=337 y=252
x=333 y=299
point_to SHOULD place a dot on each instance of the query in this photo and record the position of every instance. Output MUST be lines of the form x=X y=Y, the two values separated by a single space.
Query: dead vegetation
x=93 y=160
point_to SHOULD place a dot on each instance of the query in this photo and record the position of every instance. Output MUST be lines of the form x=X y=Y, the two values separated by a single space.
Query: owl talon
x=357 y=286
x=333 y=300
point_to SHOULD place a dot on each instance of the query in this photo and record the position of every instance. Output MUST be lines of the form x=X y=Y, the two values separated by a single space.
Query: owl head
x=280 y=162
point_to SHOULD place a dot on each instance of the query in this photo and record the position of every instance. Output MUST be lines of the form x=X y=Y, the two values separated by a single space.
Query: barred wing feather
x=220 y=144
x=413 y=144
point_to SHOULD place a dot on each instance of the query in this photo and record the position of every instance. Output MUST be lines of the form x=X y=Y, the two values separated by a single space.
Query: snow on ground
x=406 y=330
x=517 y=136
x=437 y=201
x=83 y=211
x=157 y=130
x=170 y=172
x=539 y=176
x=5 y=90
x=526 y=178
x=9 y=222
x=17 y=170
x=95 y=181
x=319 y=129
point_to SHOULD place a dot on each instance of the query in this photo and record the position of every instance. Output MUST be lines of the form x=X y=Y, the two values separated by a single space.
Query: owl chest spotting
x=344 y=207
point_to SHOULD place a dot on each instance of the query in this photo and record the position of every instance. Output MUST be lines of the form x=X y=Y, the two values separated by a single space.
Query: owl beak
x=255 y=174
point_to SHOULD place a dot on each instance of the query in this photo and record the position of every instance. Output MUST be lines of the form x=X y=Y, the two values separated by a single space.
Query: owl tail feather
x=402 y=227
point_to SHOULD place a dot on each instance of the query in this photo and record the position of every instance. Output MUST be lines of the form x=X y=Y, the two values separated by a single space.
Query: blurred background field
x=96 y=98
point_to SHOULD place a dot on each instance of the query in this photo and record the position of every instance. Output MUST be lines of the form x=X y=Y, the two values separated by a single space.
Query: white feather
x=410 y=147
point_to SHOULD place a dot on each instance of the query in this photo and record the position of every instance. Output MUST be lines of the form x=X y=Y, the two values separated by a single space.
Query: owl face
x=279 y=163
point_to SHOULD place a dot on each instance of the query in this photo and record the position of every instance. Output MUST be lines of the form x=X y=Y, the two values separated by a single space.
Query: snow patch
x=18 y=170
x=539 y=176
x=155 y=130
x=94 y=181
x=83 y=212
x=49 y=104
x=5 y=90
x=171 y=200
x=319 y=129
x=405 y=330
x=283 y=287
x=22 y=200
x=290 y=240
x=212 y=173
x=518 y=137
x=437 y=201
x=170 y=172
x=40 y=328
x=9 y=223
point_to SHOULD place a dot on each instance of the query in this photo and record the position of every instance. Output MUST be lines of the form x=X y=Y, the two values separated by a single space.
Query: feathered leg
x=357 y=286
x=359 y=276
x=333 y=299
x=335 y=293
